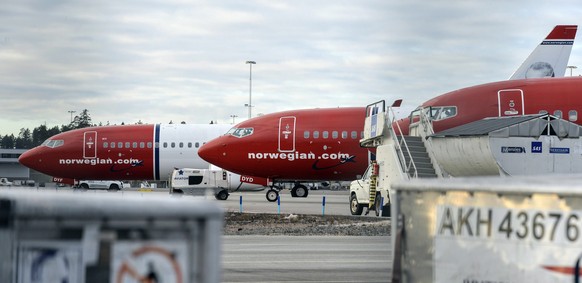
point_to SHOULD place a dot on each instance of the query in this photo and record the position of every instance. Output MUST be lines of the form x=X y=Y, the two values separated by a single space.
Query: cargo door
x=287 y=134
x=90 y=144
x=510 y=102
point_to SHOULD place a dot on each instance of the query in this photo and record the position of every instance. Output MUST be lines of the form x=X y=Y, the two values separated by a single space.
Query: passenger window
x=354 y=135
x=344 y=135
x=573 y=115
x=197 y=144
x=142 y=145
x=361 y=134
x=165 y=144
x=127 y=145
x=306 y=134
x=189 y=145
x=112 y=145
x=105 y=145
x=325 y=134
x=558 y=113
x=181 y=144
x=119 y=145
x=315 y=134
x=134 y=145
x=173 y=144
x=334 y=135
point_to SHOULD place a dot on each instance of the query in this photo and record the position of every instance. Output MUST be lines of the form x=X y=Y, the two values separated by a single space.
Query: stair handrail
x=399 y=144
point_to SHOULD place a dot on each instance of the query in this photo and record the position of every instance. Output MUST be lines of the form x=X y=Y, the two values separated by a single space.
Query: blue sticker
x=536 y=147
x=560 y=150
x=512 y=149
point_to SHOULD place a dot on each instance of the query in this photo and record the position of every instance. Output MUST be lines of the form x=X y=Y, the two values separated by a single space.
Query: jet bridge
x=520 y=145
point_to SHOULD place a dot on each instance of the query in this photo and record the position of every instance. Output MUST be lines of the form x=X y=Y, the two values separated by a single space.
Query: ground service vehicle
x=5 y=182
x=198 y=181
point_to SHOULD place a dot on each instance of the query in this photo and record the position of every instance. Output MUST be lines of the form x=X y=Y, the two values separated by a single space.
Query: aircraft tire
x=301 y=191
x=272 y=195
x=113 y=188
x=294 y=192
x=84 y=186
x=222 y=195
x=355 y=207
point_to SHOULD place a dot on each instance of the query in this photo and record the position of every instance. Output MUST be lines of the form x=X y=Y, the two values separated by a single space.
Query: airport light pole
x=71 y=112
x=233 y=116
x=251 y=63
x=571 y=67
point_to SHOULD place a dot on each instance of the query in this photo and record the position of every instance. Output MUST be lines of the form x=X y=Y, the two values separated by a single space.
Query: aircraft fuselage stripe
x=157 y=152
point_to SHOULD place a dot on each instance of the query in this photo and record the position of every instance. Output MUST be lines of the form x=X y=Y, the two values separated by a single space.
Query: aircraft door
x=510 y=102
x=287 y=134
x=90 y=144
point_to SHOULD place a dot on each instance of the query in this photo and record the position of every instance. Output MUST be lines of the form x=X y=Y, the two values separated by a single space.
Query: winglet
x=550 y=58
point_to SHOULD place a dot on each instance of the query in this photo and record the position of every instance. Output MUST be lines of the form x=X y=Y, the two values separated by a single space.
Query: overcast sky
x=176 y=60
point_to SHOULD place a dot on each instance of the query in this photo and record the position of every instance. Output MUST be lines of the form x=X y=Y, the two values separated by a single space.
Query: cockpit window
x=53 y=143
x=444 y=112
x=240 y=132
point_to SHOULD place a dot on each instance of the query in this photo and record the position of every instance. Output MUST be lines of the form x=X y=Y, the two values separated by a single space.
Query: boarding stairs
x=415 y=152
x=411 y=153
x=416 y=148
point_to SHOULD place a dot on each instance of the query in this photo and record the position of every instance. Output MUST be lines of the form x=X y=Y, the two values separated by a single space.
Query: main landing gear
x=299 y=191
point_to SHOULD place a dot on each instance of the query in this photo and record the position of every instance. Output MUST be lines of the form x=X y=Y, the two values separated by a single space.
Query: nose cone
x=214 y=152
x=33 y=159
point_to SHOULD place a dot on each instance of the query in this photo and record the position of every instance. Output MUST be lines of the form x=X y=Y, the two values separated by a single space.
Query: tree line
x=27 y=139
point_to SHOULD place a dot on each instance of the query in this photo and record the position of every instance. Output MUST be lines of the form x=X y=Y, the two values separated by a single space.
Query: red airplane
x=309 y=145
x=129 y=152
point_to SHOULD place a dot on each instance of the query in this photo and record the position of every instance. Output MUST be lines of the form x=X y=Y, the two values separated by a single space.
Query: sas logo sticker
x=536 y=147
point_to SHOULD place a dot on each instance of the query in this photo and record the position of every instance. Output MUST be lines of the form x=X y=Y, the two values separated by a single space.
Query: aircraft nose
x=214 y=152
x=30 y=158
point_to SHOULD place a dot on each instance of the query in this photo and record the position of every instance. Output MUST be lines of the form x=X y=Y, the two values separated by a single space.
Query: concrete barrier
x=69 y=237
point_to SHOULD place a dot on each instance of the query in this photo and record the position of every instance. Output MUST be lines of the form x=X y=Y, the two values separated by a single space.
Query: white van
x=197 y=181
x=100 y=184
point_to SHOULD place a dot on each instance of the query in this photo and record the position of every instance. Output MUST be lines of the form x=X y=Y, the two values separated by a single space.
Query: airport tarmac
x=306 y=259
x=336 y=203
